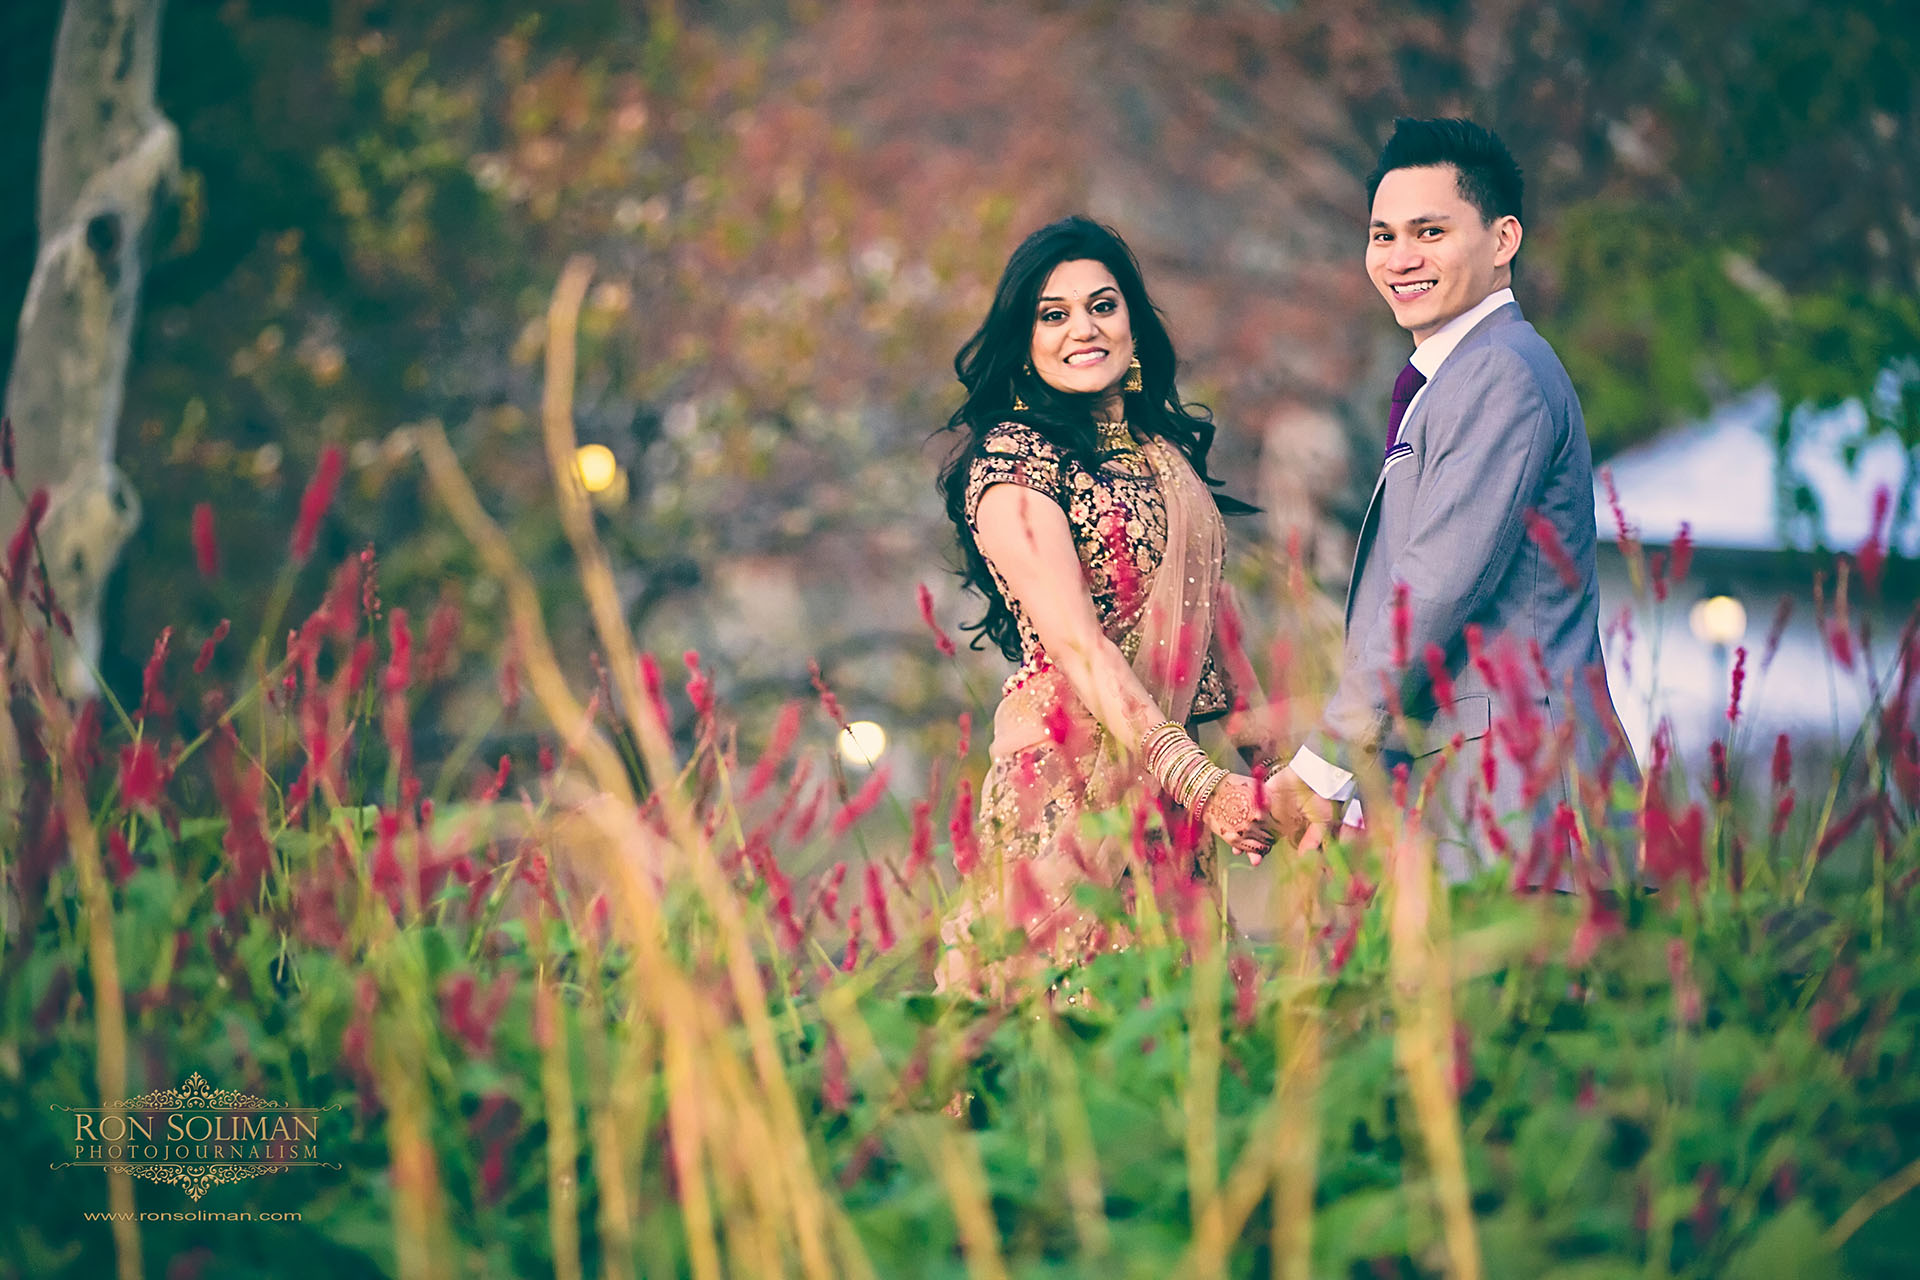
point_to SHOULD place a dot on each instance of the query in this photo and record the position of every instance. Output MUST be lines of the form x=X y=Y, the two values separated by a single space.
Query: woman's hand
x=1230 y=815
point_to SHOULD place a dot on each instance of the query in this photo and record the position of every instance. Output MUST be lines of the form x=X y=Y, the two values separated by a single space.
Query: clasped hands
x=1288 y=809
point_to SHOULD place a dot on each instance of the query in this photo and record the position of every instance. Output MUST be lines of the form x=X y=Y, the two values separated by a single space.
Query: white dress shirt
x=1328 y=780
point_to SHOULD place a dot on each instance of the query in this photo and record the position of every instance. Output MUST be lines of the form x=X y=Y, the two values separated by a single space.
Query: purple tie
x=1405 y=387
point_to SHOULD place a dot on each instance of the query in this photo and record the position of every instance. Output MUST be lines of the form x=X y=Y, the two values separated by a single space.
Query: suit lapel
x=1415 y=422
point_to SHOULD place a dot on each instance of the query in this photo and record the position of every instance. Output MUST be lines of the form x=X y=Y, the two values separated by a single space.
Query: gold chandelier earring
x=1019 y=405
x=1134 y=381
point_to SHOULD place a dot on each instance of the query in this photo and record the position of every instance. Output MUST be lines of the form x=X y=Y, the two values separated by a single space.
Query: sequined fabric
x=1053 y=763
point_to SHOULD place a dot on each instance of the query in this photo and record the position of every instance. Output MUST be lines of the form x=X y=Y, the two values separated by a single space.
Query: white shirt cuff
x=1328 y=781
x=1353 y=817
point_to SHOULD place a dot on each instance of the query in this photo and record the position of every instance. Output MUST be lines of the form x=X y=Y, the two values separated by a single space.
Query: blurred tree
x=107 y=162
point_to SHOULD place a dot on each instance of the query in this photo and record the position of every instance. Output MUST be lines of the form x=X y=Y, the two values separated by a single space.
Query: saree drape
x=1053 y=763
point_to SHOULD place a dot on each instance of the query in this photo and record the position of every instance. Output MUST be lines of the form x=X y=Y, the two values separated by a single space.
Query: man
x=1474 y=596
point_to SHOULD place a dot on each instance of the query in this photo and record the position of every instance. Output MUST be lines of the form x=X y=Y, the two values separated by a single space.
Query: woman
x=1081 y=502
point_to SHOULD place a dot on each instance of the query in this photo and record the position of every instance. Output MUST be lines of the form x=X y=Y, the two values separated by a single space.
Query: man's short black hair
x=1489 y=179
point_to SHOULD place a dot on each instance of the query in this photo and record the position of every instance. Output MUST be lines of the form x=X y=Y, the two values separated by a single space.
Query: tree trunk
x=108 y=163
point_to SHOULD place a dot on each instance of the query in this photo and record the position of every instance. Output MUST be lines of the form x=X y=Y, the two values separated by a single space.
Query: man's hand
x=1300 y=814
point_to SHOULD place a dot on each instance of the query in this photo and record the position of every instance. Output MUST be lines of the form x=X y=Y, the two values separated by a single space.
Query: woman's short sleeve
x=1013 y=454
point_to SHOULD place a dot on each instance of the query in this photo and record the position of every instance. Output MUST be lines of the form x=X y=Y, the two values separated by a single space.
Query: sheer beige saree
x=1053 y=762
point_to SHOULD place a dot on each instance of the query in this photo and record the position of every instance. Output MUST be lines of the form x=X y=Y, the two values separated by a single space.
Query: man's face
x=1429 y=252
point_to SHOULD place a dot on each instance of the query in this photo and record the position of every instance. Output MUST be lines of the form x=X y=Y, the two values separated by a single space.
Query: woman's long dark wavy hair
x=993 y=367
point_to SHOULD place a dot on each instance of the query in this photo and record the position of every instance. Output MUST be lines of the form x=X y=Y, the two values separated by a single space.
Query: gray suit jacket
x=1496 y=434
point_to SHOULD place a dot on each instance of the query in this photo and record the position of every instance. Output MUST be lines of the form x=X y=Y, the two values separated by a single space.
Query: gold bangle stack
x=1181 y=766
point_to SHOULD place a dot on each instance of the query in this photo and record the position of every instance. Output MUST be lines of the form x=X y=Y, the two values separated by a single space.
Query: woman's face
x=1082 y=336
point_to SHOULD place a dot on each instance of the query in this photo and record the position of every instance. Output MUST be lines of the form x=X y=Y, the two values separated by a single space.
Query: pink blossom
x=863 y=800
x=205 y=657
x=1872 y=556
x=785 y=730
x=1739 y=682
x=1547 y=538
x=941 y=640
x=119 y=856
x=828 y=703
x=315 y=501
x=443 y=634
x=206 y=547
x=1402 y=625
x=1682 y=552
x=876 y=902
x=920 y=845
x=699 y=687
x=143 y=775
x=153 y=694
x=966 y=853
x=20 y=549
x=1438 y=676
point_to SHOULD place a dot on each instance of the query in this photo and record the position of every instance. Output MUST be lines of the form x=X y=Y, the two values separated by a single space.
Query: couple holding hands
x=1081 y=498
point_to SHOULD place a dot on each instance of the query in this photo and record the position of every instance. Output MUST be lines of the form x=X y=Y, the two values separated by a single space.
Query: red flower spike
x=966 y=853
x=1871 y=559
x=1402 y=625
x=1782 y=811
x=6 y=448
x=443 y=636
x=206 y=547
x=153 y=695
x=386 y=874
x=1059 y=723
x=1657 y=575
x=876 y=903
x=399 y=674
x=205 y=658
x=1438 y=676
x=1597 y=923
x=1717 y=779
x=1782 y=613
x=920 y=845
x=650 y=680
x=809 y=815
x=828 y=703
x=315 y=501
x=20 y=549
x=699 y=687
x=1682 y=553
x=785 y=730
x=966 y=734
x=1739 y=681
x=143 y=776
x=941 y=640
x=369 y=583
x=851 y=961
x=1033 y=910
x=119 y=857
x=510 y=681
x=863 y=800
x=1547 y=538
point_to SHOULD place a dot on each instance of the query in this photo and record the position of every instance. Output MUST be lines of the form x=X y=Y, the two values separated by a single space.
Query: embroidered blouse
x=1119 y=524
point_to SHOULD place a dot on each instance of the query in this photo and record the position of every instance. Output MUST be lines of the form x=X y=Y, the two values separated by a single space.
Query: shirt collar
x=1431 y=354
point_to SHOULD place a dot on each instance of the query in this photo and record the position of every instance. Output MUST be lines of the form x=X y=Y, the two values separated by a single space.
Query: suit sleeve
x=1487 y=449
